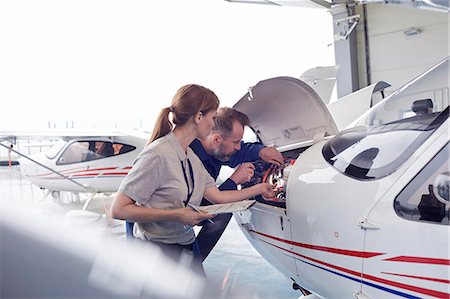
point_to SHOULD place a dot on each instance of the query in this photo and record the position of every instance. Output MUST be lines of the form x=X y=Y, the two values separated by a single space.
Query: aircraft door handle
x=364 y=224
x=281 y=223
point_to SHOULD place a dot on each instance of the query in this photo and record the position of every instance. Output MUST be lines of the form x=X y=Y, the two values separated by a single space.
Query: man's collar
x=198 y=148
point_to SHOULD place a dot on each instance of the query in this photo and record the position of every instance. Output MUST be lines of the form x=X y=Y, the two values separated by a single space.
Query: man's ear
x=216 y=138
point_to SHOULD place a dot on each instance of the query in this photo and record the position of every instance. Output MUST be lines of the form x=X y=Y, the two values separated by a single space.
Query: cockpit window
x=84 y=151
x=426 y=197
x=76 y=152
x=120 y=148
x=390 y=133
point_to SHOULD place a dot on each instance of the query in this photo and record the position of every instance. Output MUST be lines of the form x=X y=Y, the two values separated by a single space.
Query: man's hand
x=271 y=155
x=243 y=174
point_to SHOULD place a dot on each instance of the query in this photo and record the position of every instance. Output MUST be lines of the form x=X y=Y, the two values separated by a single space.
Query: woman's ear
x=198 y=117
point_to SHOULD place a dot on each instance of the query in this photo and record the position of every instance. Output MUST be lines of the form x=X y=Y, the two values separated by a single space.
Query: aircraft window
x=103 y=149
x=83 y=151
x=76 y=152
x=120 y=148
x=372 y=153
x=55 y=149
x=426 y=197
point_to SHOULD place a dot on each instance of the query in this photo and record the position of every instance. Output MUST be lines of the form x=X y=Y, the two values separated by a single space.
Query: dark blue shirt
x=249 y=152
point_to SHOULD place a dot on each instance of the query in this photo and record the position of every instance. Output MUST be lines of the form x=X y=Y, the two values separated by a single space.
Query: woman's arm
x=214 y=195
x=123 y=207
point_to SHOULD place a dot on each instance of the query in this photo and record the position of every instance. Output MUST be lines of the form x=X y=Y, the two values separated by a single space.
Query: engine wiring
x=276 y=175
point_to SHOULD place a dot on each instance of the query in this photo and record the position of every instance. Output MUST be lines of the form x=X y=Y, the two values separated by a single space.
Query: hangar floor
x=242 y=268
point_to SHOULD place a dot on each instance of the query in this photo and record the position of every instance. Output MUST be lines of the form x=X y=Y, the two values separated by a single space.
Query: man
x=224 y=146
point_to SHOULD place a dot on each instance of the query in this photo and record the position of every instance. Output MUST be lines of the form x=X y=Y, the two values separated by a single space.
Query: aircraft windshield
x=388 y=135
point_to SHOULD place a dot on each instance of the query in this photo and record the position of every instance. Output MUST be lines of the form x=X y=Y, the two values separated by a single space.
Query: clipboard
x=227 y=207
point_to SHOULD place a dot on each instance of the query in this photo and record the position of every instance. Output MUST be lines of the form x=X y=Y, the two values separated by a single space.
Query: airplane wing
x=324 y=4
x=50 y=136
x=438 y=5
x=322 y=80
x=349 y=108
x=57 y=134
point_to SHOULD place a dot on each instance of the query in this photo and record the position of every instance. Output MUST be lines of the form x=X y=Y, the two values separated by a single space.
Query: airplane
x=81 y=161
x=362 y=212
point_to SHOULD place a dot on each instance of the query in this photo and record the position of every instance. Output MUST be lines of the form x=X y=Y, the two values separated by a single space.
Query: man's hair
x=225 y=118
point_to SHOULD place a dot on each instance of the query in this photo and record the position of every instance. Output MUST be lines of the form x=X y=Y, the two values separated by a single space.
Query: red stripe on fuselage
x=323 y=248
x=420 y=277
x=429 y=292
x=69 y=172
x=420 y=260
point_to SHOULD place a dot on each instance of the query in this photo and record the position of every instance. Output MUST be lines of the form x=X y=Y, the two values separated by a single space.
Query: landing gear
x=88 y=201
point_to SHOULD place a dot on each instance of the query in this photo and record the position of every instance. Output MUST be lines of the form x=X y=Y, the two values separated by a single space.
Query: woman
x=168 y=175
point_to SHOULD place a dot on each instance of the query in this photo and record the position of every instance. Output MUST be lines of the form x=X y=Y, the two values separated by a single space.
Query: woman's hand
x=267 y=190
x=191 y=217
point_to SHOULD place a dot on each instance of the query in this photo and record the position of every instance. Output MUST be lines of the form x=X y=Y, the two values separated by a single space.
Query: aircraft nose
x=25 y=165
x=31 y=167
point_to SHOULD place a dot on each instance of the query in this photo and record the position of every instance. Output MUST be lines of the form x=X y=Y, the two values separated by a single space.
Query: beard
x=220 y=155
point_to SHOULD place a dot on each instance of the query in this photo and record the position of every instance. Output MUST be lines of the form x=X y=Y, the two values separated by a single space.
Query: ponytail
x=188 y=101
x=163 y=126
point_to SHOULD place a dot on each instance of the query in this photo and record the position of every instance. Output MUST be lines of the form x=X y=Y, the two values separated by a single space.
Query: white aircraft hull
x=98 y=174
x=343 y=236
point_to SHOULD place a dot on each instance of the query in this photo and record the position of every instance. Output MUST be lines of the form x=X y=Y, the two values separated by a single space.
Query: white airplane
x=364 y=212
x=85 y=162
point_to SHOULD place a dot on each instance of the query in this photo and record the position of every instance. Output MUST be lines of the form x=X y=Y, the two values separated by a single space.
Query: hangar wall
x=393 y=55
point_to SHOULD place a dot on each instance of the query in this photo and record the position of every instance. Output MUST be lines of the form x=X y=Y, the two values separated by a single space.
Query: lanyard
x=188 y=198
